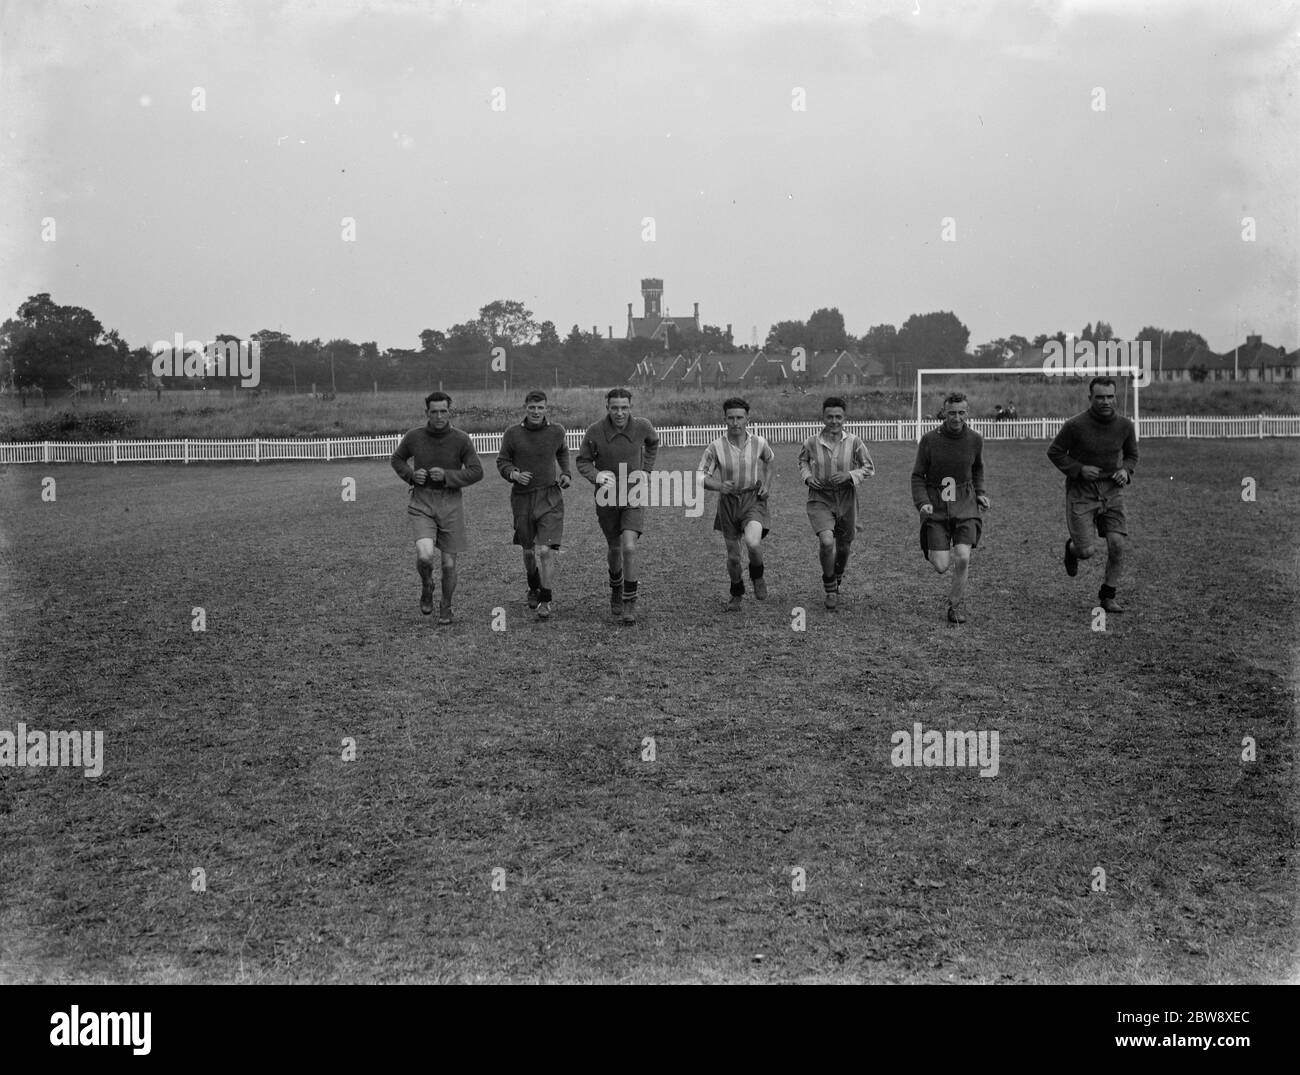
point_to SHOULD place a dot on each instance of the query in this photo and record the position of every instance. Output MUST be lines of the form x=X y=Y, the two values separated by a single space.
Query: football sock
x=534 y=579
x=616 y=581
x=755 y=571
x=841 y=559
x=738 y=589
x=425 y=570
x=1106 y=592
x=545 y=593
x=829 y=584
x=629 y=590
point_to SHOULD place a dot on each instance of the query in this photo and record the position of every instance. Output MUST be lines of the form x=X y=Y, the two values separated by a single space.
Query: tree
x=547 y=338
x=575 y=345
x=279 y=358
x=342 y=360
x=48 y=345
x=786 y=335
x=714 y=338
x=466 y=339
x=994 y=353
x=507 y=323
x=826 y=330
x=432 y=341
x=933 y=340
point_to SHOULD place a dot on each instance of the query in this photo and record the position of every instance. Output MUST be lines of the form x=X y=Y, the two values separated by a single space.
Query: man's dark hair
x=733 y=402
x=1100 y=380
x=834 y=401
x=435 y=397
x=535 y=396
x=955 y=397
x=619 y=393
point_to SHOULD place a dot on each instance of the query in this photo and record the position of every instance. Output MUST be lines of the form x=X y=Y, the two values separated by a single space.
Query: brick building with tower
x=654 y=325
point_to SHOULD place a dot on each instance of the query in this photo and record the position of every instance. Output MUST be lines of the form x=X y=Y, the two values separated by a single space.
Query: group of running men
x=1096 y=450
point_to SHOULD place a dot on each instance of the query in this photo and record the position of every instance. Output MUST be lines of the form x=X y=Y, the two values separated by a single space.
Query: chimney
x=1253 y=341
x=595 y=331
x=611 y=332
x=728 y=331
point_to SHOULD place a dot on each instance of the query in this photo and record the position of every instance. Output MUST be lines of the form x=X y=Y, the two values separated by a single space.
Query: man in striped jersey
x=833 y=464
x=742 y=462
x=948 y=491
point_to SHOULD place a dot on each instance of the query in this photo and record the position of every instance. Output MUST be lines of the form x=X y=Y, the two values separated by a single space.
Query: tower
x=653 y=293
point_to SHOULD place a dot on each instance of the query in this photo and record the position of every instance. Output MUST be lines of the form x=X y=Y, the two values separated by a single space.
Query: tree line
x=57 y=349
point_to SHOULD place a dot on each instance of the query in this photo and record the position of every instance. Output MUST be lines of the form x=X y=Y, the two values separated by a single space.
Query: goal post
x=1134 y=372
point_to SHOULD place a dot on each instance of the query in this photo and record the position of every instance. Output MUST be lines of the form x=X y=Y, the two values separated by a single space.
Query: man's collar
x=615 y=428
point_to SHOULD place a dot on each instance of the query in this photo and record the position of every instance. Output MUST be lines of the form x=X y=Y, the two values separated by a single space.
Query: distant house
x=657 y=369
x=1253 y=360
x=1282 y=368
x=731 y=370
x=829 y=369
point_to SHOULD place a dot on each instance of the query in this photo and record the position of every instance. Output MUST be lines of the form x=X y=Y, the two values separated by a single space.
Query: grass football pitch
x=505 y=817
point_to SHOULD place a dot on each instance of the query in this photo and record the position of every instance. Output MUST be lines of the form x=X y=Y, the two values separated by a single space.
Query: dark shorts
x=445 y=526
x=614 y=520
x=737 y=509
x=539 y=517
x=834 y=511
x=1094 y=509
x=942 y=534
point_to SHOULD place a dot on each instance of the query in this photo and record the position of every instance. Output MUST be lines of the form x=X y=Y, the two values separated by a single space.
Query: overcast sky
x=229 y=219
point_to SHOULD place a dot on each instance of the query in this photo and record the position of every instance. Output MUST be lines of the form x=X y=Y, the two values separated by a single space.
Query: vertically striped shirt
x=742 y=466
x=820 y=457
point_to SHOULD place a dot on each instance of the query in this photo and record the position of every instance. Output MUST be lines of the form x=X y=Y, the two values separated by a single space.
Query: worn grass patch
x=521 y=750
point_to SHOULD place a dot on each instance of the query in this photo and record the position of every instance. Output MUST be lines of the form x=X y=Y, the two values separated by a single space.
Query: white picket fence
x=259 y=450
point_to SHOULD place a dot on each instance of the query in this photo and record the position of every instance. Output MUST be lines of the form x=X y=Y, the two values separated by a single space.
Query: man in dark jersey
x=619 y=441
x=1097 y=451
x=535 y=460
x=437 y=461
x=948 y=491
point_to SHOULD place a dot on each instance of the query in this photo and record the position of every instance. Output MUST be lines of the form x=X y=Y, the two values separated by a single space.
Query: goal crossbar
x=1135 y=372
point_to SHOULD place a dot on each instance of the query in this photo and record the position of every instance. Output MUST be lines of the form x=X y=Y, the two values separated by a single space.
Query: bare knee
x=826 y=538
x=448 y=561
